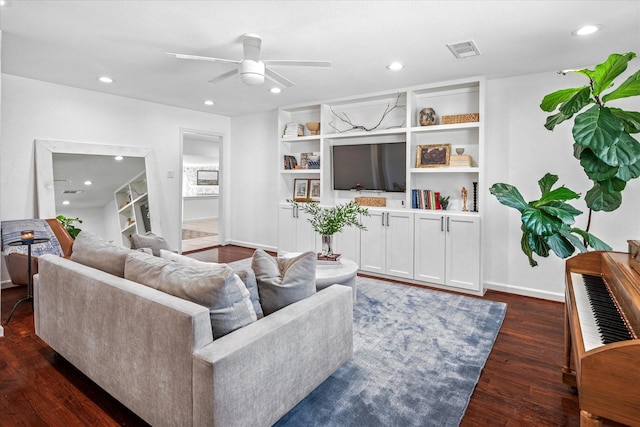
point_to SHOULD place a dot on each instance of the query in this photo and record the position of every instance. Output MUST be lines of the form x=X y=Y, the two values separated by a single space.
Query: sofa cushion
x=246 y=275
x=283 y=281
x=149 y=240
x=93 y=251
x=214 y=286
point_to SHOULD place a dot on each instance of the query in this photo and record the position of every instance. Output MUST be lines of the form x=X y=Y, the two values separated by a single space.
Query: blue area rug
x=417 y=358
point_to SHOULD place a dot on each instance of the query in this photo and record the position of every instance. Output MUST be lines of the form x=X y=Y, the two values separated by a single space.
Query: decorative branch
x=346 y=119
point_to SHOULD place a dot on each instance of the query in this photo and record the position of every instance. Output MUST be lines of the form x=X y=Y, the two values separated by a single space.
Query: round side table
x=341 y=273
x=29 y=296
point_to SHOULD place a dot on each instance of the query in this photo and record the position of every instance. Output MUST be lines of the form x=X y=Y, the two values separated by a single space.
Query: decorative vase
x=327 y=245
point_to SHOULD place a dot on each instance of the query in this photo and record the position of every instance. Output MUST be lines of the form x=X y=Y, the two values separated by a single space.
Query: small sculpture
x=427 y=117
x=464 y=193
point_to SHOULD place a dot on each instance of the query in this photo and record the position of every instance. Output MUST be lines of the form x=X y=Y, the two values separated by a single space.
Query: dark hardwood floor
x=521 y=384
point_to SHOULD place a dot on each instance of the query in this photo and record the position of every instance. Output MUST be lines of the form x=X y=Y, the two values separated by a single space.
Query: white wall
x=520 y=150
x=254 y=161
x=34 y=109
x=93 y=219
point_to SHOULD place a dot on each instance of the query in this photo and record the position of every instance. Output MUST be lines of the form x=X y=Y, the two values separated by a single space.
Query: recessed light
x=119 y=157
x=105 y=79
x=586 y=30
x=395 y=66
x=209 y=102
x=66 y=202
x=87 y=182
x=275 y=90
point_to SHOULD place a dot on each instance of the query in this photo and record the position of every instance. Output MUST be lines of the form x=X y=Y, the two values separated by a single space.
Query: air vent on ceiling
x=72 y=191
x=464 y=49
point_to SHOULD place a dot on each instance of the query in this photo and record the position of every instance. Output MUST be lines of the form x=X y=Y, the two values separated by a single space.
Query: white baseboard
x=5 y=284
x=527 y=292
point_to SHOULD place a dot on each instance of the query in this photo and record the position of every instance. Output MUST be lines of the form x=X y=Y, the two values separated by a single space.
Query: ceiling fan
x=251 y=70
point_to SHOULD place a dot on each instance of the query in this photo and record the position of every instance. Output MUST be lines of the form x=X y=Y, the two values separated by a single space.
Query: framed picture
x=206 y=177
x=314 y=190
x=300 y=190
x=433 y=156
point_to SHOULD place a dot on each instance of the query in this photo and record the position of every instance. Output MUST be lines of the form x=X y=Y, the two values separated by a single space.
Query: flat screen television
x=374 y=167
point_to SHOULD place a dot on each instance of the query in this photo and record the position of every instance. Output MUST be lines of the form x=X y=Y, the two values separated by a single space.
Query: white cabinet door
x=347 y=243
x=305 y=236
x=463 y=252
x=286 y=229
x=430 y=248
x=372 y=242
x=447 y=250
x=295 y=233
x=399 y=244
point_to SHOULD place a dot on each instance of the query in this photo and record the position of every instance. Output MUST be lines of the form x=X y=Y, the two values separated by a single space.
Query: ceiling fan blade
x=223 y=76
x=202 y=58
x=278 y=78
x=251 y=45
x=294 y=63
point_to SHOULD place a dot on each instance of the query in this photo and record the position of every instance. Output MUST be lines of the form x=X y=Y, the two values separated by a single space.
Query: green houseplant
x=603 y=145
x=328 y=221
x=67 y=223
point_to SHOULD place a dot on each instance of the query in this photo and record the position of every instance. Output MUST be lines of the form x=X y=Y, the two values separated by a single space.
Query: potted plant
x=328 y=221
x=444 y=202
x=607 y=152
x=67 y=223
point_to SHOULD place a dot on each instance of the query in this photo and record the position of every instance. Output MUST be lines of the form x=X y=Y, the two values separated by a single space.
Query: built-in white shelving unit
x=399 y=124
x=132 y=203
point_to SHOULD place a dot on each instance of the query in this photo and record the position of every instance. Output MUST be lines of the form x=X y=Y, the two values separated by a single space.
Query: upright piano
x=602 y=325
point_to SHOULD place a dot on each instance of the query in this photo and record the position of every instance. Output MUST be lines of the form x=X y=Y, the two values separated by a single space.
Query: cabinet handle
x=387 y=219
x=382 y=216
x=441 y=223
x=448 y=218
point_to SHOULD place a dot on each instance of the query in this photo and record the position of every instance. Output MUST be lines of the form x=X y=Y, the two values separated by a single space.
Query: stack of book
x=290 y=162
x=425 y=199
x=293 y=129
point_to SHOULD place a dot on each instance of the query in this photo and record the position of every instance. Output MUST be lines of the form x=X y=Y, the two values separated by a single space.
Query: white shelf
x=449 y=169
x=300 y=138
x=440 y=128
x=128 y=227
x=359 y=134
x=299 y=171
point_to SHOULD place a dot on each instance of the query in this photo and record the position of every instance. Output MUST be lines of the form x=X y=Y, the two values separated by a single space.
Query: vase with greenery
x=603 y=145
x=67 y=223
x=328 y=221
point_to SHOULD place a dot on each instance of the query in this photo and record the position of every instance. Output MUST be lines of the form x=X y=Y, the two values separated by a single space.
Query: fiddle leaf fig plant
x=547 y=222
x=603 y=144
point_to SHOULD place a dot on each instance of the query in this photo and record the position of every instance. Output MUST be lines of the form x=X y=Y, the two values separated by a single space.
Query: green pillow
x=283 y=281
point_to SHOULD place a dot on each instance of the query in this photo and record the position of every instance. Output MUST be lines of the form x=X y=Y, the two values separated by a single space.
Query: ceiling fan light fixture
x=251 y=72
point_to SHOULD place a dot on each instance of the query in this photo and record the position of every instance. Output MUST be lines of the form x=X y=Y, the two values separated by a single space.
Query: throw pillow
x=283 y=281
x=91 y=250
x=149 y=240
x=214 y=287
x=248 y=278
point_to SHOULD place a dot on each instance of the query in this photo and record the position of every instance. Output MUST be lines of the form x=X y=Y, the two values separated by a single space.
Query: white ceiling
x=74 y=42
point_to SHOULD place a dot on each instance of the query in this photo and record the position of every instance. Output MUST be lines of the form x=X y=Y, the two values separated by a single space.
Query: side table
x=342 y=272
x=29 y=296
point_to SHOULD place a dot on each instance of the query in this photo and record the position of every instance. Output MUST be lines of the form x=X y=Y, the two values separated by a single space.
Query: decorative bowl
x=314 y=127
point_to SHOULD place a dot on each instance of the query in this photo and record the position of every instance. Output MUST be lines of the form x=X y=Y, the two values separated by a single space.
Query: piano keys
x=602 y=349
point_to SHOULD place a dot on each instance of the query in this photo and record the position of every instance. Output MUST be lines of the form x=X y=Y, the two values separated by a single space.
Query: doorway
x=201 y=195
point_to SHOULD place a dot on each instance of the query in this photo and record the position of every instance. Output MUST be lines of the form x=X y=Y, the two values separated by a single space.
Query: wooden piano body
x=607 y=377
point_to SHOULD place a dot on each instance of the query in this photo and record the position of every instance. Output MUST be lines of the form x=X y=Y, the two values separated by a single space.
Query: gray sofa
x=155 y=353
